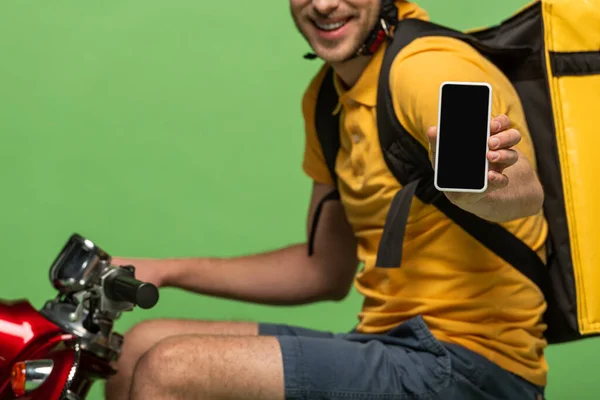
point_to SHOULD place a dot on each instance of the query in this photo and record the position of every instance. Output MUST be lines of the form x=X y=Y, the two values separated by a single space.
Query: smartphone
x=464 y=118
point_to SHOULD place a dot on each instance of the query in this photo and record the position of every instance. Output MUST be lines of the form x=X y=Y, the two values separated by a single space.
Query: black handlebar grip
x=122 y=287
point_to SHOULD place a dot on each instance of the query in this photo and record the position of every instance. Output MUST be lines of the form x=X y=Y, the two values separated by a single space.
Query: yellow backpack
x=550 y=51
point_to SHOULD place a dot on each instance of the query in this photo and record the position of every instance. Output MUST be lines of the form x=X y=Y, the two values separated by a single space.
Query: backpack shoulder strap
x=327 y=125
x=409 y=161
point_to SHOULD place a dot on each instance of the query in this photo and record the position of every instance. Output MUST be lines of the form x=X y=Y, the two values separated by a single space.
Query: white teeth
x=330 y=27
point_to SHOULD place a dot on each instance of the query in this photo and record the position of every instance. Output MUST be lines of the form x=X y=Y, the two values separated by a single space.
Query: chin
x=335 y=58
x=336 y=55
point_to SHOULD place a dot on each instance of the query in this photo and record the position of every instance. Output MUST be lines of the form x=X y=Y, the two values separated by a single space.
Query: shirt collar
x=364 y=90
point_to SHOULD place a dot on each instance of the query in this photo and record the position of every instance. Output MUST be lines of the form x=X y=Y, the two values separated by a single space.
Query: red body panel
x=52 y=388
x=23 y=330
x=26 y=335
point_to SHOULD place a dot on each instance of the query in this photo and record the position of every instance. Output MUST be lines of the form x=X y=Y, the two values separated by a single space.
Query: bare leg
x=210 y=368
x=148 y=333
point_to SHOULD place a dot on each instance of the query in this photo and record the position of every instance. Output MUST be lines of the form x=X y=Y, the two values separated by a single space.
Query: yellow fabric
x=465 y=293
x=576 y=100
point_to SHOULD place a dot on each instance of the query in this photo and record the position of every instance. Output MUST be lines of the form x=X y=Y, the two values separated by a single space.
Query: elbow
x=339 y=293
x=333 y=288
x=333 y=279
x=339 y=289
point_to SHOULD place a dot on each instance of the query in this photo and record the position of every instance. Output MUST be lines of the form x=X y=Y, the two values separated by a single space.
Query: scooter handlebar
x=122 y=287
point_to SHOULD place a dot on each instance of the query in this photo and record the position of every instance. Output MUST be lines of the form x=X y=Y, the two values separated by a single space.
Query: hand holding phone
x=470 y=149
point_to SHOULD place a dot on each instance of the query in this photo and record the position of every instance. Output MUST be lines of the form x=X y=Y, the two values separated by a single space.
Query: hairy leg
x=301 y=363
x=148 y=333
x=210 y=367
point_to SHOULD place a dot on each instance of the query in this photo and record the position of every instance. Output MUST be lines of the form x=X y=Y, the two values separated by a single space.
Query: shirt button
x=356 y=138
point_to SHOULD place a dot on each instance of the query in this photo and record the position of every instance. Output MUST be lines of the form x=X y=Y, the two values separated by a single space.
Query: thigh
x=265 y=329
x=164 y=327
x=487 y=379
x=174 y=326
x=407 y=363
x=410 y=366
x=146 y=334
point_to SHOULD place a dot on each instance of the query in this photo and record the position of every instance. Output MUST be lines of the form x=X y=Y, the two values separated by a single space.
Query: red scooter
x=58 y=352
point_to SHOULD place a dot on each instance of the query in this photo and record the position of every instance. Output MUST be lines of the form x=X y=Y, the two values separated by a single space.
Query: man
x=455 y=322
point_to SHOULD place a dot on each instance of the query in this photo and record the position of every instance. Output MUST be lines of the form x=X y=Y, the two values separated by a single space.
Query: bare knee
x=145 y=335
x=136 y=342
x=210 y=368
x=167 y=367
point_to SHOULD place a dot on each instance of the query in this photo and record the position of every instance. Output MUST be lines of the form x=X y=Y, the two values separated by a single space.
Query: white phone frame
x=440 y=134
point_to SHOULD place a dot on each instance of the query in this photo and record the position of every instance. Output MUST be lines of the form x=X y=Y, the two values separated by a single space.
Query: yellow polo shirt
x=465 y=293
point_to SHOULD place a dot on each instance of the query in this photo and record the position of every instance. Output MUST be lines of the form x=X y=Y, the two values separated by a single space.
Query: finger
x=432 y=135
x=505 y=139
x=500 y=123
x=497 y=180
x=503 y=158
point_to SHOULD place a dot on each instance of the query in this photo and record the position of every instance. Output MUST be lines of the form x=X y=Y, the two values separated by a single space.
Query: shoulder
x=311 y=93
x=425 y=52
x=421 y=67
x=314 y=163
x=309 y=102
x=427 y=62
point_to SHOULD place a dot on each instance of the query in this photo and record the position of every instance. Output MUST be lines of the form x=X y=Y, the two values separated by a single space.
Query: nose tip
x=325 y=7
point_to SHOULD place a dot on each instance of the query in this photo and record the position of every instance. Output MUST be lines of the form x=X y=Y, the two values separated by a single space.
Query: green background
x=173 y=128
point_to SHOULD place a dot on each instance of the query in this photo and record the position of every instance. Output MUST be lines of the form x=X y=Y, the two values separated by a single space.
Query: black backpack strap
x=334 y=195
x=409 y=161
x=327 y=125
x=389 y=252
x=405 y=156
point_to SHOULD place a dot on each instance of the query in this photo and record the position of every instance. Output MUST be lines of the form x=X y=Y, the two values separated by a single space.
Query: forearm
x=282 y=277
x=522 y=197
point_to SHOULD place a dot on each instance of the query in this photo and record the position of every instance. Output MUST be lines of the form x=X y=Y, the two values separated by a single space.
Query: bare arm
x=284 y=276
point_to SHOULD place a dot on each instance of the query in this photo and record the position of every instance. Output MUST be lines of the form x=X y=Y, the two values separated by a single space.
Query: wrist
x=176 y=272
x=168 y=272
x=159 y=272
x=486 y=206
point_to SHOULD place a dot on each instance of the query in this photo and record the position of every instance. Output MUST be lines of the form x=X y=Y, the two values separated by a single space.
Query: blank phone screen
x=462 y=137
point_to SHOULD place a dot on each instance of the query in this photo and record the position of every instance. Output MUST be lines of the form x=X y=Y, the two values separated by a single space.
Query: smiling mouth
x=331 y=26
